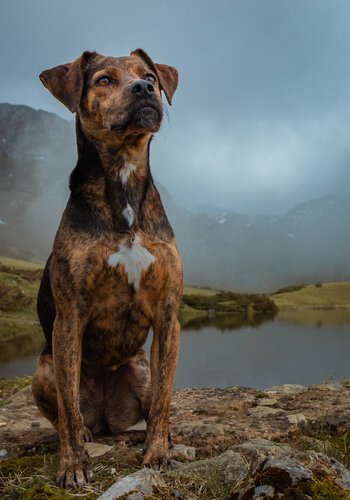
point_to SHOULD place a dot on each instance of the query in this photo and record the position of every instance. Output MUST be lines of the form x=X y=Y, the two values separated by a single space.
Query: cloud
x=265 y=167
x=261 y=117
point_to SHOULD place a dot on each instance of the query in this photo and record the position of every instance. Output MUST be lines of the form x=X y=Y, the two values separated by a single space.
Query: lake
x=296 y=348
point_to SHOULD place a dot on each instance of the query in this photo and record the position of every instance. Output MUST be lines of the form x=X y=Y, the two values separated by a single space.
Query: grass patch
x=210 y=484
x=317 y=489
x=33 y=478
x=18 y=289
x=188 y=314
x=19 y=284
x=328 y=295
x=8 y=387
x=231 y=302
x=20 y=264
x=326 y=490
x=336 y=446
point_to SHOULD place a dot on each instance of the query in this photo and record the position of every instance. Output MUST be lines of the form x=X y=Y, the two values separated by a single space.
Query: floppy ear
x=167 y=75
x=66 y=81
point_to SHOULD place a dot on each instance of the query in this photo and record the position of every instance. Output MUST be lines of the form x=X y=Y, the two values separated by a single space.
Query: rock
x=296 y=469
x=297 y=419
x=266 y=456
x=233 y=467
x=344 y=480
x=329 y=385
x=204 y=429
x=328 y=467
x=264 y=411
x=287 y=389
x=257 y=451
x=268 y=401
x=140 y=426
x=264 y=491
x=142 y=481
x=3 y=454
x=260 y=468
x=21 y=396
x=135 y=496
x=97 y=449
x=180 y=451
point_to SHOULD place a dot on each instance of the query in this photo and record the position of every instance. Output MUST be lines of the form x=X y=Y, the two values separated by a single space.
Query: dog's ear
x=66 y=81
x=167 y=75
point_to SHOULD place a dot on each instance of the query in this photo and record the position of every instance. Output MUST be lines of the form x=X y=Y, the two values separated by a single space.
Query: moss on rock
x=278 y=478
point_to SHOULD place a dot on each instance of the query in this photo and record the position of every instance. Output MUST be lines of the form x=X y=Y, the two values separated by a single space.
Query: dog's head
x=114 y=96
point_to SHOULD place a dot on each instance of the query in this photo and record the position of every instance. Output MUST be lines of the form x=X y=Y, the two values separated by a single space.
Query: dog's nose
x=142 y=88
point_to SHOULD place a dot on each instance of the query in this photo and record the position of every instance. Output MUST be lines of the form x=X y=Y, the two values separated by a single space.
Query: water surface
x=300 y=348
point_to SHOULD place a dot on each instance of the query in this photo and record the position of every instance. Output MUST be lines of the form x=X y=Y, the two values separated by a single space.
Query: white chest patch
x=129 y=215
x=135 y=259
x=126 y=171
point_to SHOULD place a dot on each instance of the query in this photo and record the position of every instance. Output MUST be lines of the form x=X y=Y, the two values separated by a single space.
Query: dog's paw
x=75 y=476
x=156 y=453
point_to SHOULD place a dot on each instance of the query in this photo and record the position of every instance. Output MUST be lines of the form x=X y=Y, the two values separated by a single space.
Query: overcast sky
x=261 y=119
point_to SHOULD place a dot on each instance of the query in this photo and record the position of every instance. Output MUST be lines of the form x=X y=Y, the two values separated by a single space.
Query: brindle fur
x=93 y=375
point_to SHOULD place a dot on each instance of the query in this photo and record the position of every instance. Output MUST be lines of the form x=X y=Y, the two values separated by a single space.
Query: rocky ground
x=285 y=442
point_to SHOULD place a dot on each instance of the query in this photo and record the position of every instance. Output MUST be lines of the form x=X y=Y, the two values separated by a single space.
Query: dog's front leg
x=164 y=354
x=67 y=348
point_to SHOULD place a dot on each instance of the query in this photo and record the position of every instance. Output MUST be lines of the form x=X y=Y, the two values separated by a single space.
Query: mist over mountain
x=222 y=249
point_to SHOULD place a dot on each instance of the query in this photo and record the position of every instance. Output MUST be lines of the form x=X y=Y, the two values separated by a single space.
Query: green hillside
x=326 y=295
x=19 y=284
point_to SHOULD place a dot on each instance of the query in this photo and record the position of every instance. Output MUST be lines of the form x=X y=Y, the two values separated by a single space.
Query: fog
x=261 y=118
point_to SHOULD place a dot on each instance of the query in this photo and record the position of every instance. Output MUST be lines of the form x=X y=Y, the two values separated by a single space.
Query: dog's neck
x=113 y=183
x=119 y=156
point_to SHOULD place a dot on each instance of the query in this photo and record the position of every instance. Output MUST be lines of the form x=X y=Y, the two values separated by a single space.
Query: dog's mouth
x=146 y=116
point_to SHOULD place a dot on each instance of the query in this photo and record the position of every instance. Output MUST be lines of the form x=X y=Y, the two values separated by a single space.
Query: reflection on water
x=224 y=350
x=225 y=321
x=317 y=317
x=19 y=357
x=20 y=347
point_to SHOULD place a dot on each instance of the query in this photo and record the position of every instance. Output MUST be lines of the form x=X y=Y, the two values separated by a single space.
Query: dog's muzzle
x=144 y=112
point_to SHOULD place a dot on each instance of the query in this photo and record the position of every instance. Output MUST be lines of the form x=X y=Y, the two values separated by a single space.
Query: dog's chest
x=132 y=258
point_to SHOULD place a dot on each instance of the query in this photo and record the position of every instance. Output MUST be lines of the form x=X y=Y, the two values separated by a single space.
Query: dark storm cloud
x=261 y=118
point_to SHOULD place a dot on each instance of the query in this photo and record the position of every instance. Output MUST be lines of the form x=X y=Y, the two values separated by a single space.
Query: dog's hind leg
x=128 y=393
x=45 y=395
x=44 y=389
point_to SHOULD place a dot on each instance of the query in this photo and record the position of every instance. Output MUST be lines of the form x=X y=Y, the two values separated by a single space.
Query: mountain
x=225 y=250
x=309 y=244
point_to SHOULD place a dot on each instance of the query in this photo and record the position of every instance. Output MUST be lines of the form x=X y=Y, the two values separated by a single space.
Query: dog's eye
x=104 y=80
x=150 y=78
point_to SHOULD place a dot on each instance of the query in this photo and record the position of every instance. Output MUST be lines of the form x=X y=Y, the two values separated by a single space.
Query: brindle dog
x=114 y=271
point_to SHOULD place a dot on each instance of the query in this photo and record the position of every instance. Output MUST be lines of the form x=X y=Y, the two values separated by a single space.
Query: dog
x=114 y=271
